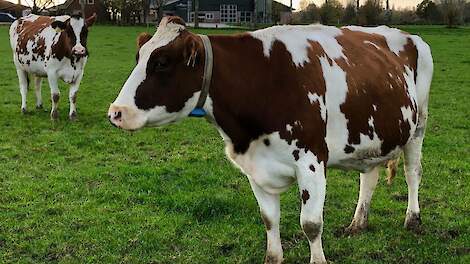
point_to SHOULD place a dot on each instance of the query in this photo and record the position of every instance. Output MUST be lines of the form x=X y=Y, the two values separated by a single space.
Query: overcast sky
x=393 y=3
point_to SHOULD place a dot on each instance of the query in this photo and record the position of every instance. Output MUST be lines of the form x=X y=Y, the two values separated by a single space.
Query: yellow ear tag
x=58 y=29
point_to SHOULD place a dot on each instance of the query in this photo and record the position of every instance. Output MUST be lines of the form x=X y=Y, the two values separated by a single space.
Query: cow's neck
x=232 y=102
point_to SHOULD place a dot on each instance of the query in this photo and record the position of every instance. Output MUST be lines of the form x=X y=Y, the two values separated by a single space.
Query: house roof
x=65 y=5
x=282 y=6
x=9 y=6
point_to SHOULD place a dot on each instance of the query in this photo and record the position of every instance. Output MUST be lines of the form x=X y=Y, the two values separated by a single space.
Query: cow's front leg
x=366 y=190
x=73 y=97
x=270 y=213
x=23 y=79
x=312 y=187
x=55 y=95
x=73 y=100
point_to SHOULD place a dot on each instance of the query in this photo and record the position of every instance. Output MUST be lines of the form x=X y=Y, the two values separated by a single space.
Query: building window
x=245 y=16
x=209 y=16
x=90 y=2
x=228 y=13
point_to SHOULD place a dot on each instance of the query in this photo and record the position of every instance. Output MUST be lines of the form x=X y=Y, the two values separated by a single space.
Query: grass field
x=84 y=192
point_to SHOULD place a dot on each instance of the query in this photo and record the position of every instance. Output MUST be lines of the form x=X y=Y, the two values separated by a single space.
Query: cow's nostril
x=117 y=115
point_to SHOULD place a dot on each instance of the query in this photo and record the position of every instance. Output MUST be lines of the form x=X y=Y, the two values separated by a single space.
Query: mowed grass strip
x=85 y=192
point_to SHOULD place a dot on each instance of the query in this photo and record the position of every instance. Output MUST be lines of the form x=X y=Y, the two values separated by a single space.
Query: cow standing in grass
x=290 y=102
x=52 y=47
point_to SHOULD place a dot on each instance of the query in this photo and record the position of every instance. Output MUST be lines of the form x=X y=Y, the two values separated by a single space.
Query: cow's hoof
x=354 y=229
x=271 y=259
x=54 y=115
x=73 y=116
x=413 y=222
x=39 y=107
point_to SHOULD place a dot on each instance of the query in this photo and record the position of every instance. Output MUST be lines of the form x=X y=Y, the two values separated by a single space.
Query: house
x=12 y=8
x=220 y=11
x=71 y=7
x=282 y=14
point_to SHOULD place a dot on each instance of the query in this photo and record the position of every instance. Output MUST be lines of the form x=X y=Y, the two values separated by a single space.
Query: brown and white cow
x=52 y=47
x=290 y=102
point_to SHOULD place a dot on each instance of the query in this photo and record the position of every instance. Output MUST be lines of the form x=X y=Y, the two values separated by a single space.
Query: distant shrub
x=331 y=12
x=350 y=14
x=371 y=13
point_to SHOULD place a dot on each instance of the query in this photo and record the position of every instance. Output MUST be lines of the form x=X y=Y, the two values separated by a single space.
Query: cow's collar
x=206 y=80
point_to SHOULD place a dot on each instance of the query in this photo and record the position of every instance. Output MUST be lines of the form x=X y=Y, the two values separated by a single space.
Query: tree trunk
x=145 y=8
x=255 y=13
x=357 y=11
x=82 y=6
x=196 y=13
x=159 y=14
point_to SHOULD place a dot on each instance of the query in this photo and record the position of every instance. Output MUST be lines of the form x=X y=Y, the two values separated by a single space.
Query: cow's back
x=372 y=95
x=34 y=41
x=368 y=83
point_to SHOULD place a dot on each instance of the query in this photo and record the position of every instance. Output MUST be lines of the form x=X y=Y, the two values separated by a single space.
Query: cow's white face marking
x=396 y=40
x=296 y=39
x=135 y=117
x=77 y=27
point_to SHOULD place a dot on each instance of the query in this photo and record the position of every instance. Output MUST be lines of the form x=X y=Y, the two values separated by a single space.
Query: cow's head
x=76 y=33
x=166 y=82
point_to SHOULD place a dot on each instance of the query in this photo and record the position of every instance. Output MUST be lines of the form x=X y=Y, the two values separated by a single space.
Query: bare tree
x=350 y=13
x=37 y=6
x=331 y=12
x=370 y=12
x=145 y=9
x=452 y=11
x=82 y=6
x=159 y=4
x=196 y=13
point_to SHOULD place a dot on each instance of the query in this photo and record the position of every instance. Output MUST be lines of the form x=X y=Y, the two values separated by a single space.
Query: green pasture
x=85 y=192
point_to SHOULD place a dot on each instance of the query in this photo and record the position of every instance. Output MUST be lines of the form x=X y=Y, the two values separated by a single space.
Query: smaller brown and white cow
x=52 y=47
x=291 y=102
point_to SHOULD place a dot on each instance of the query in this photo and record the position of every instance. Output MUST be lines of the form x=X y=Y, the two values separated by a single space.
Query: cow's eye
x=161 y=63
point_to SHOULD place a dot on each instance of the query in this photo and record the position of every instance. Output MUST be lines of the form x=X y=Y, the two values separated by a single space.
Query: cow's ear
x=59 y=25
x=142 y=39
x=192 y=48
x=91 y=20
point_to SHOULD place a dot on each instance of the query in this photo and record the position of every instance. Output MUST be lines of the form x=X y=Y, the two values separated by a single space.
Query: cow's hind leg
x=55 y=95
x=37 y=89
x=269 y=205
x=413 y=171
x=312 y=188
x=368 y=182
x=23 y=79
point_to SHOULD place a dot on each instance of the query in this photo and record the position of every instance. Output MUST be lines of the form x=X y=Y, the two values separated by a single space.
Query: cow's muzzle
x=126 y=117
x=79 y=51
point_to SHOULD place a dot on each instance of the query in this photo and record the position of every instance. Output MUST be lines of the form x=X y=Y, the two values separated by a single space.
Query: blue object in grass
x=197 y=112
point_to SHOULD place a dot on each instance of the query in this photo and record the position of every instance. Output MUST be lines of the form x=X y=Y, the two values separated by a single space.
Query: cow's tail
x=391 y=169
x=13 y=34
